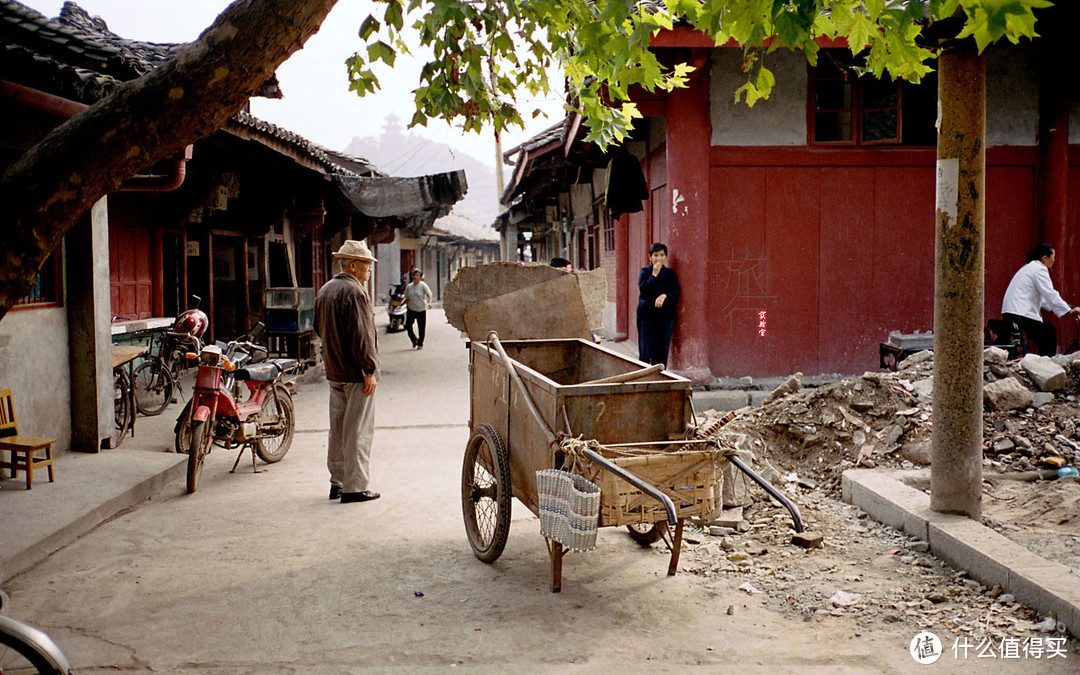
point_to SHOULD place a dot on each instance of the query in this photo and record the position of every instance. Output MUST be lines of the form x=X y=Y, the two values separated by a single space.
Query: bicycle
x=123 y=403
x=155 y=379
x=25 y=649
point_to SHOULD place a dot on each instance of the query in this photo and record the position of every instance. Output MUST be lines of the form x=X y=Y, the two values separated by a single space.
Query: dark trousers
x=654 y=338
x=421 y=326
x=1042 y=333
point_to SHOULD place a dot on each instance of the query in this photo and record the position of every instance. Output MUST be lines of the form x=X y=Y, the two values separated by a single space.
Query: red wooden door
x=130 y=278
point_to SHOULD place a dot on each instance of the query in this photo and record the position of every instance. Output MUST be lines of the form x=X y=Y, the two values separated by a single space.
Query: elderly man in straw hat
x=345 y=322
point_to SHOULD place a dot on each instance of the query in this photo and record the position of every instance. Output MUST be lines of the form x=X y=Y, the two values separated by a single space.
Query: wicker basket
x=689 y=478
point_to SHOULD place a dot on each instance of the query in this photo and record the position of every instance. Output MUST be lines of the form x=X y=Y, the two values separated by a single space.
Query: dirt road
x=261 y=573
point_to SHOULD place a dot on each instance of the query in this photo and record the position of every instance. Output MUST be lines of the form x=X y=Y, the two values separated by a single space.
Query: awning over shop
x=396 y=197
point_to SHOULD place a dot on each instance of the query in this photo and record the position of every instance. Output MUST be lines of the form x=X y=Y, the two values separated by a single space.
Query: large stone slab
x=476 y=284
x=552 y=309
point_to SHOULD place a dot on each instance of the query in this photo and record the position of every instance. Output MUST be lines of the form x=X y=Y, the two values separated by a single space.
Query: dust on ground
x=871 y=574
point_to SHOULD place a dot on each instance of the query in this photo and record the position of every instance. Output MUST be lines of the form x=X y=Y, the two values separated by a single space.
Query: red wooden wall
x=837 y=247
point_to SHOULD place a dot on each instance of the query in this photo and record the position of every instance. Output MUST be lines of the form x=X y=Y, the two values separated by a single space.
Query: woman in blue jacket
x=658 y=288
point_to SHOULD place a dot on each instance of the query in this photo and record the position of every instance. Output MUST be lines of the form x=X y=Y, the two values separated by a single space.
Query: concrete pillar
x=89 y=331
x=956 y=443
x=689 y=135
x=509 y=242
x=1052 y=163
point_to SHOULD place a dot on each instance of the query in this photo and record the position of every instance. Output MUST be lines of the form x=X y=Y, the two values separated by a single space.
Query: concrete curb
x=989 y=557
x=52 y=515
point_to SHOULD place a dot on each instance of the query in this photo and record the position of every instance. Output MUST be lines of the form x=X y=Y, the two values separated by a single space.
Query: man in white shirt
x=1031 y=291
x=418 y=297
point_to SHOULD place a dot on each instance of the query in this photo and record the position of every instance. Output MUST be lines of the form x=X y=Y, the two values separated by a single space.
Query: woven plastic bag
x=569 y=508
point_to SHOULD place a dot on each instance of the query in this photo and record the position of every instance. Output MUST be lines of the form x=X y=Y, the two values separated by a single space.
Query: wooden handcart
x=570 y=404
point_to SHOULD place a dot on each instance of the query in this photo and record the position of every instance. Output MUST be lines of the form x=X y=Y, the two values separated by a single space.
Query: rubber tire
x=646 y=537
x=148 y=374
x=35 y=647
x=182 y=440
x=486 y=546
x=123 y=415
x=269 y=408
x=200 y=446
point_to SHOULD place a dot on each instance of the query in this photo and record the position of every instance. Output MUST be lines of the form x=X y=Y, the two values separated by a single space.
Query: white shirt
x=1031 y=290
x=417 y=296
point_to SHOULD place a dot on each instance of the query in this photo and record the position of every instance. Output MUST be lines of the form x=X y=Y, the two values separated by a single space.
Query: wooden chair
x=23 y=449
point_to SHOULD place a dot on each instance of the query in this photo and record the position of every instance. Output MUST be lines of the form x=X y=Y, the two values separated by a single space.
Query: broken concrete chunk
x=1007 y=394
x=808 y=540
x=792 y=385
x=916 y=358
x=1041 y=398
x=1047 y=374
x=995 y=355
x=917 y=453
x=924 y=388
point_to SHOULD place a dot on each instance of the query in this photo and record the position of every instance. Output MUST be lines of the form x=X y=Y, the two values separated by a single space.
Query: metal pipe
x=776 y=494
x=656 y=494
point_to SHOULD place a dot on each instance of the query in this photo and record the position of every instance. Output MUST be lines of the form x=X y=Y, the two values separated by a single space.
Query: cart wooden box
x=560 y=377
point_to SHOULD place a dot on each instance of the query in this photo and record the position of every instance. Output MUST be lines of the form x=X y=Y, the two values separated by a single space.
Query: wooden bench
x=23 y=449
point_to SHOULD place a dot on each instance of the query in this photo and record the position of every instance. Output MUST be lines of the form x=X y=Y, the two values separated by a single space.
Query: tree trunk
x=142 y=122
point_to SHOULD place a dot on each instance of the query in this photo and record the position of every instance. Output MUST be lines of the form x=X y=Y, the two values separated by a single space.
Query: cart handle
x=493 y=338
x=629 y=377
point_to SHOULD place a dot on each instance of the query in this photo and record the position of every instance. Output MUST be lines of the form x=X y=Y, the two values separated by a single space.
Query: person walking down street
x=658 y=295
x=345 y=322
x=418 y=297
x=1031 y=291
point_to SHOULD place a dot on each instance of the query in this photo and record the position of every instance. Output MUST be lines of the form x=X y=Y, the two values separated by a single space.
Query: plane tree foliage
x=486 y=53
x=483 y=54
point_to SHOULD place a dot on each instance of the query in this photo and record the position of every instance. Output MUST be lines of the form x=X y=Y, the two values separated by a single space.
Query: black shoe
x=335 y=492
x=365 y=496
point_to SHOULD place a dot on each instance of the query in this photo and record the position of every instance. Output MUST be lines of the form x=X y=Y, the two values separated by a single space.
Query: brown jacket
x=345 y=322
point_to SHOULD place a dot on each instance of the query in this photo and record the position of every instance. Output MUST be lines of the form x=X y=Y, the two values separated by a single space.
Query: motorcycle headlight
x=211 y=356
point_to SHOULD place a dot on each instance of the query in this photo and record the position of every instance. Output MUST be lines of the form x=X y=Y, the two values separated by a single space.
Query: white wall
x=1012 y=108
x=780 y=120
x=1012 y=97
x=34 y=366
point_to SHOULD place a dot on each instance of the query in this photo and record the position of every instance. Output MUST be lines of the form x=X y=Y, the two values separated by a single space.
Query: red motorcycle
x=257 y=416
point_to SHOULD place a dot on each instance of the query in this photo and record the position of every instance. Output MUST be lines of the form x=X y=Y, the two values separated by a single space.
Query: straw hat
x=354 y=250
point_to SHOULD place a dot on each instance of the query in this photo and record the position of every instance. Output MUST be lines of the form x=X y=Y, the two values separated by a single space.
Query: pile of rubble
x=801 y=439
x=885 y=419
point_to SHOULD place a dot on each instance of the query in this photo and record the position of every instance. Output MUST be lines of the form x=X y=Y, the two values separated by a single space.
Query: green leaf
x=369 y=27
x=380 y=51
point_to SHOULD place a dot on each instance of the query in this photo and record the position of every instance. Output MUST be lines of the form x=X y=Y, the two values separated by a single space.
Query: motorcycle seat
x=267 y=371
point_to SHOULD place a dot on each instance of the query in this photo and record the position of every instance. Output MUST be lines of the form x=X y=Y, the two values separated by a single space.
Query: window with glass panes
x=846 y=109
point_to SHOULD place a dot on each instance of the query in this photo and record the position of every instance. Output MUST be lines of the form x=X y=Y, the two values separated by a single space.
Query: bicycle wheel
x=276 y=426
x=153 y=387
x=486 y=493
x=201 y=435
x=25 y=649
x=122 y=403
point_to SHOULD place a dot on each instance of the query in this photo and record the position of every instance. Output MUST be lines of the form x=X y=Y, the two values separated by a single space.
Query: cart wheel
x=485 y=493
x=646 y=534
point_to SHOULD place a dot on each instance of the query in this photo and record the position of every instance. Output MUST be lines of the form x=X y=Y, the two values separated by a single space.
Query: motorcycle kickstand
x=245 y=446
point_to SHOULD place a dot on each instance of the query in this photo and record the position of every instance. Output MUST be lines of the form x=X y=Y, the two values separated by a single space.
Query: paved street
x=261 y=573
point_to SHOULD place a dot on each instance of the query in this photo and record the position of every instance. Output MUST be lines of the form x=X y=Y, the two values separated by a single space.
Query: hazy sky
x=317 y=103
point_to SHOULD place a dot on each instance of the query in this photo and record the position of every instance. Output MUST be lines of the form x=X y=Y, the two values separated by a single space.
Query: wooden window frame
x=51 y=275
x=856 y=110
